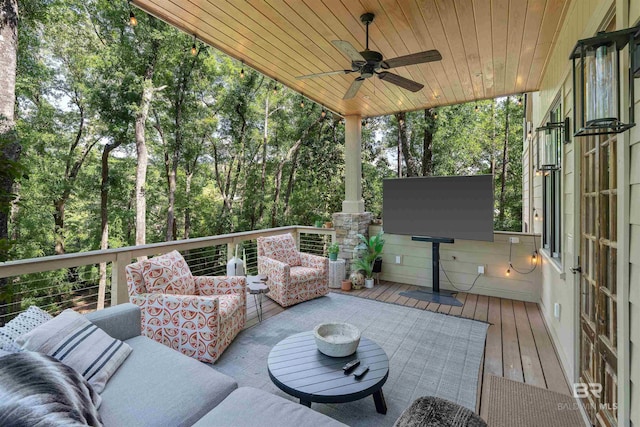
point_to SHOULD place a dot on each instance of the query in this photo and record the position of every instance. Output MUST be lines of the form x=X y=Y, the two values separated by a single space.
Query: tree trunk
x=291 y=154
x=9 y=145
x=427 y=143
x=505 y=162
x=104 y=220
x=141 y=152
x=171 y=178
x=187 y=209
x=409 y=160
x=58 y=219
x=263 y=174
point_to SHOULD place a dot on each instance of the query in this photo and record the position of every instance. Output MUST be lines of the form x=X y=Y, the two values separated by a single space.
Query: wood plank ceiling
x=489 y=48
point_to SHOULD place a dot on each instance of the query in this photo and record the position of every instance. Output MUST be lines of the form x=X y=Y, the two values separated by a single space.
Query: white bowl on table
x=337 y=339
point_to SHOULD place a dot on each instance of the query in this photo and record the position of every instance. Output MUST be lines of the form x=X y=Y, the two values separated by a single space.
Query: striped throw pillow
x=78 y=343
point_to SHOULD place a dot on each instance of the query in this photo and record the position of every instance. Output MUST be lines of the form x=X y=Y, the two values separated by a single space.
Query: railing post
x=298 y=238
x=230 y=248
x=119 y=293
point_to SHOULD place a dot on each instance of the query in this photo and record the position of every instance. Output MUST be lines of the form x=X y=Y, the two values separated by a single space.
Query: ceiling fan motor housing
x=368 y=69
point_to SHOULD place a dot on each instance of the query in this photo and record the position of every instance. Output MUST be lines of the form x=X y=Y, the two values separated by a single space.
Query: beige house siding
x=634 y=249
x=460 y=260
x=584 y=19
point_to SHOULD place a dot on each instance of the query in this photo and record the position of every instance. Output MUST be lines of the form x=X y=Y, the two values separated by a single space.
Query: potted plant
x=372 y=248
x=365 y=265
x=318 y=223
x=333 y=251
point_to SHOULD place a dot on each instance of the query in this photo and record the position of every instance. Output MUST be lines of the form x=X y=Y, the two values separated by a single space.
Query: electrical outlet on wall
x=556 y=310
x=481 y=269
x=398 y=259
x=514 y=240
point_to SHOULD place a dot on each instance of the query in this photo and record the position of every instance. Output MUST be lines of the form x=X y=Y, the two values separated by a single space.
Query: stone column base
x=348 y=226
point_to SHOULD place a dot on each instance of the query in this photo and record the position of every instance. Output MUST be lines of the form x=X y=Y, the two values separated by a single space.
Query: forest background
x=138 y=134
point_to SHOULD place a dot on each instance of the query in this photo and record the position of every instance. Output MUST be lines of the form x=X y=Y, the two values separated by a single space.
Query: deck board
x=510 y=345
x=531 y=366
x=517 y=347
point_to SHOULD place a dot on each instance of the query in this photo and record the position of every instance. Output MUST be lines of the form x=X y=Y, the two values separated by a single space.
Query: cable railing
x=92 y=280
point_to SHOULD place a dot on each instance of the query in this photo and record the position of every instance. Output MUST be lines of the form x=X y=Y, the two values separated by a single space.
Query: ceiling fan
x=369 y=63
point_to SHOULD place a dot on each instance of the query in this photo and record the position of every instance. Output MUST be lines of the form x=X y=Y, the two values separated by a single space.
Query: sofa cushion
x=168 y=274
x=158 y=386
x=38 y=390
x=78 y=343
x=281 y=248
x=249 y=406
x=20 y=325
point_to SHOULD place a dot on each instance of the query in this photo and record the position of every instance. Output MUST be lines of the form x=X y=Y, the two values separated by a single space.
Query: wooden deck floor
x=518 y=346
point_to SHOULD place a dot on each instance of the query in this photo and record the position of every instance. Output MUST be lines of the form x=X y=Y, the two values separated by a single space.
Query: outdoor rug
x=514 y=404
x=429 y=353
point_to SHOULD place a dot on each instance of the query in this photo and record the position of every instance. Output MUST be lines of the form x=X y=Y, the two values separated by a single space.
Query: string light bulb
x=534 y=256
x=194 y=49
x=133 y=21
x=519 y=100
x=509 y=271
x=323 y=114
x=476 y=108
x=275 y=87
x=536 y=217
x=435 y=115
x=242 y=70
x=302 y=103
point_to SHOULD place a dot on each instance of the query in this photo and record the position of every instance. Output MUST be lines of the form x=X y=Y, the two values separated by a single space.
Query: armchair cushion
x=281 y=248
x=220 y=285
x=228 y=305
x=168 y=274
x=305 y=274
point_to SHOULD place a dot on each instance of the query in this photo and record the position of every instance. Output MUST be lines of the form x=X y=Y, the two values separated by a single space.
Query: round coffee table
x=299 y=369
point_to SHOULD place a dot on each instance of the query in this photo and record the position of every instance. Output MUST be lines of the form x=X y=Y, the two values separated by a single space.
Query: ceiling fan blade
x=414 y=58
x=353 y=89
x=348 y=49
x=328 y=73
x=400 y=81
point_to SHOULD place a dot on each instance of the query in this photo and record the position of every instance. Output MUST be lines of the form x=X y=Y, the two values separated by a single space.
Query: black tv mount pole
x=435 y=294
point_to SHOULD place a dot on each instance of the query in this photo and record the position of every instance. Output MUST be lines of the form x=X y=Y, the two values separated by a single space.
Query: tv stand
x=434 y=294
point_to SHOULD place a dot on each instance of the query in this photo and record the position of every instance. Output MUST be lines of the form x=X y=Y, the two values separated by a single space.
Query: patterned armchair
x=293 y=276
x=197 y=315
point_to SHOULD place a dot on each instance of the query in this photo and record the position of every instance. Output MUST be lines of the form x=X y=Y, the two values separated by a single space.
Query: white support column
x=353 y=202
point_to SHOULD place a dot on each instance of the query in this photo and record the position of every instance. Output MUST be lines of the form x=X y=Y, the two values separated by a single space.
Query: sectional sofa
x=158 y=386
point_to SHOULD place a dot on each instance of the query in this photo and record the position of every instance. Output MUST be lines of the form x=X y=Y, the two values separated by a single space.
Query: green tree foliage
x=226 y=153
x=468 y=139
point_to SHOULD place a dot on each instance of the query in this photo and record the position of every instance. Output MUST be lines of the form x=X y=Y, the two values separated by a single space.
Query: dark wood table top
x=299 y=369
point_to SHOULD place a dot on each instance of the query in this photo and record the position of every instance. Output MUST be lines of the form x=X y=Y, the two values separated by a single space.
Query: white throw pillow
x=78 y=343
x=20 y=325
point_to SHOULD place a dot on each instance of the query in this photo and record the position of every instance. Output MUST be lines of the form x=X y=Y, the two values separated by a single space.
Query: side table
x=337 y=272
x=257 y=287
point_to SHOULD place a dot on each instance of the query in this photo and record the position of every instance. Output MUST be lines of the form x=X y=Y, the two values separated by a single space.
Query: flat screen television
x=458 y=207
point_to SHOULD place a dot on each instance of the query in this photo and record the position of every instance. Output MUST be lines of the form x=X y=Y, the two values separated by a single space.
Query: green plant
x=372 y=247
x=333 y=248
x=365 y=266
